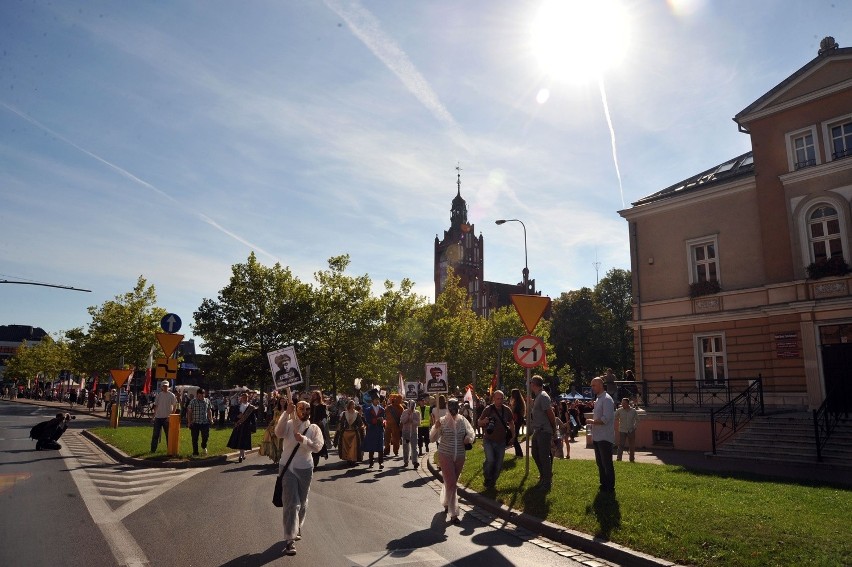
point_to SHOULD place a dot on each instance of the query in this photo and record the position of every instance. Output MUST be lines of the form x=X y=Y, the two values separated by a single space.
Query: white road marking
x=98 y=487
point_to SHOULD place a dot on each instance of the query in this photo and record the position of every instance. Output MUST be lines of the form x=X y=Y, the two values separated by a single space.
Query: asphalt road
x=78 y=507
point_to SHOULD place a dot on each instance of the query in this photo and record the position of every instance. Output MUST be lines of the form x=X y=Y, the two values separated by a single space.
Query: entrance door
x=837 y=372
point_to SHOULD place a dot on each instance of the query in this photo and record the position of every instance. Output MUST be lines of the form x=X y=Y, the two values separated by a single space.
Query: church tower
x=462 y=251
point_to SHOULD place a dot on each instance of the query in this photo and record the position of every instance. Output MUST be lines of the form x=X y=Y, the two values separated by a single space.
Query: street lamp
x=526 y=271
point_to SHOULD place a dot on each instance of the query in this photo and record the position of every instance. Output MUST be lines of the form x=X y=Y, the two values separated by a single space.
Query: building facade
x=11 y=338
x=464 y=252
x=742 y=270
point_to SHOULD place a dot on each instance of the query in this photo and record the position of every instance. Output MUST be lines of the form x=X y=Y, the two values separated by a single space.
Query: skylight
x=726 y=166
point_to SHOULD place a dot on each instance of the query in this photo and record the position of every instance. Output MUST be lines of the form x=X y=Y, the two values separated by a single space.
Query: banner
x=411 y=392
x=436 y=378
x=285 y=367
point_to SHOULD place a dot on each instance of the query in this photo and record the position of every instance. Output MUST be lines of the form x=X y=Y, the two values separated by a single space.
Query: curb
x=584 y=542
x=126 y=459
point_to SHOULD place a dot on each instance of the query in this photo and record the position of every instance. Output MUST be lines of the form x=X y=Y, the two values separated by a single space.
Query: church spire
x=458 y=216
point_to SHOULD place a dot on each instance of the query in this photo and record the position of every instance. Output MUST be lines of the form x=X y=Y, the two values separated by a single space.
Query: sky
x=172 y=139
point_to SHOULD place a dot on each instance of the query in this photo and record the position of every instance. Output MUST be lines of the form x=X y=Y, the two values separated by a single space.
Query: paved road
x=90 y=510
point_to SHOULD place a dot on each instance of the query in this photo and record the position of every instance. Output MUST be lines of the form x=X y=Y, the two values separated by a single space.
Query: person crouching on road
x=453 y=432
x=300 y=438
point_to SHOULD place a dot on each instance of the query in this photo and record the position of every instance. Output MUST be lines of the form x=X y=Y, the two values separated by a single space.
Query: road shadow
x=352 y=472
x=433 y=535
x=608 y=513
x=271 y=554
x=419 y=481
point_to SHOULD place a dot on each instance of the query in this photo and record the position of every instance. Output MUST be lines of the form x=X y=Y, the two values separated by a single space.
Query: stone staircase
x=789 y=438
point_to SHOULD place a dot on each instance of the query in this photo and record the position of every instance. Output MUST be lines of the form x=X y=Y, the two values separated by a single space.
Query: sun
x=578 y=40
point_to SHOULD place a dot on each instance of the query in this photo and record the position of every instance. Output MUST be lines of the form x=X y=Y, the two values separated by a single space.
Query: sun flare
x=578 y=40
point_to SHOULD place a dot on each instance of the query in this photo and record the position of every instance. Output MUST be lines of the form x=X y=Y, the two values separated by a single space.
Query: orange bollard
x=174 y=434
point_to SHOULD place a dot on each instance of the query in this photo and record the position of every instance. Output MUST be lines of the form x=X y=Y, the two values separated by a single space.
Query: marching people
x=164 y=405
x=393 y=414
x=199 y=416
x=425 y=424
x=498 y=426
x=349 y=438
x=603 y=434
x=319 y=417
x=452 y=432
x=543 y=425
x=627 y=419
x=244 y=426
x=271 y=445
x=374 y=440
x=300 y=439
x=519 y=415
x=409 y=423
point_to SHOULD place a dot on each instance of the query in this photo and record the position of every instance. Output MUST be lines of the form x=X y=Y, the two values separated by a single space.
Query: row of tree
x=343 y=332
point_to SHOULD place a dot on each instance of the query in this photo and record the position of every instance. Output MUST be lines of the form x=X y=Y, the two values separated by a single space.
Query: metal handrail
x=687 y=394
x=826 y=418
x=731 y=417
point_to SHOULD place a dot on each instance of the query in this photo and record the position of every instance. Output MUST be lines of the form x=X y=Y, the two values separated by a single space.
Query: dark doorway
x=837 y=373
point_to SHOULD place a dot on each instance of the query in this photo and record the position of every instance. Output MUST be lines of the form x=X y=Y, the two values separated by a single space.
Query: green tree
x=260 y=310
x=47 y=358
x=345 y=329
x=578 y=333
x=400 y=333
x=121 y=329
x=614 y=294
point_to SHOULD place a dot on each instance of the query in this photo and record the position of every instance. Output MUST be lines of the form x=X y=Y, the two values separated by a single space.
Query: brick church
x=463 y=251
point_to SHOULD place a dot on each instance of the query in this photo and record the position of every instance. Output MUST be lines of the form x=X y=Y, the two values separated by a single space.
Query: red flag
x=95 y=385
x=146 y=388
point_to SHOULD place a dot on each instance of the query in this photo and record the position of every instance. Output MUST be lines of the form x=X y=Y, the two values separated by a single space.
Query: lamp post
x=526 y=272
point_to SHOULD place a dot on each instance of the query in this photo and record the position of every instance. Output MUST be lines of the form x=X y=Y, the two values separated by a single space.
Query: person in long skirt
x=271 y=445
x=409 y=423
x=299 y=438
x=453 y=432
x=350 y=435
x=245 y=425
x=374 y=440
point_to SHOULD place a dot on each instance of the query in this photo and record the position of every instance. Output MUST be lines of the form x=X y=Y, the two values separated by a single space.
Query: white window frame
x=697 y=339
x=826 y=133
x=791 y=138
x=804 y=221
x=693 y=243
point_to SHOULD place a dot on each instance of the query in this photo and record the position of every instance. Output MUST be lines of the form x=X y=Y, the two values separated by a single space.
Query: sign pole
x=529 y=413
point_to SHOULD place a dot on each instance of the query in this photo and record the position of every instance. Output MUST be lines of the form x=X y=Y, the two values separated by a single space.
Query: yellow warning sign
x=169 y=342
x=120 y=376
x=165 y=369
x=530 y=308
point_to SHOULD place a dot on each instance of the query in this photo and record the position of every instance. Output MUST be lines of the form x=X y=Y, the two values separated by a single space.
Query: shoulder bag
x=276 y=494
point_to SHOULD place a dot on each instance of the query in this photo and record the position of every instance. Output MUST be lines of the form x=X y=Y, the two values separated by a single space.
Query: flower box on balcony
x=706 y=287
x=827 y=267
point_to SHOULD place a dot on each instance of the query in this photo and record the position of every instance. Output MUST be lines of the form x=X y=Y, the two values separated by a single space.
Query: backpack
x=38 y=430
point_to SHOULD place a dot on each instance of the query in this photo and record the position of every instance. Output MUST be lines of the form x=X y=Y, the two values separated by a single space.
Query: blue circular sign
x=170 y=323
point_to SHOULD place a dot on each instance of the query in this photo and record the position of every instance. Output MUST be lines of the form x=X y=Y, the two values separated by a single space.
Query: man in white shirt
x=603 y=434
x=299 y=438
x=164 y=405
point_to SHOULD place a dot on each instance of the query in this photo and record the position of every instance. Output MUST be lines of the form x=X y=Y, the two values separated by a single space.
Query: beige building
x=741 y=271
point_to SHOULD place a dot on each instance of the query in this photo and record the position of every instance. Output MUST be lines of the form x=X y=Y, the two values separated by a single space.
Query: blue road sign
x=170 y=323
x=508 y=342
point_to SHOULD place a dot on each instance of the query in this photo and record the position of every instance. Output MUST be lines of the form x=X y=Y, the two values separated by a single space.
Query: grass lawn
x=135 y=440
x=689 y=517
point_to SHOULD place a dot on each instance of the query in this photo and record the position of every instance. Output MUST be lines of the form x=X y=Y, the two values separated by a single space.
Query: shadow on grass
x=608 y=513
x=758 y=477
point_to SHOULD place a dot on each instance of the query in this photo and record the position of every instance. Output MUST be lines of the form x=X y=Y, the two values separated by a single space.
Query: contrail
x=368 y=29
x=612 y=137
x=139 y=181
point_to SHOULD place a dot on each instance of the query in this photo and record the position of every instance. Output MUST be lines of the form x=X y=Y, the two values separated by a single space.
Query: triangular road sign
x=530 y=308
x=169 y=342
x=120 y=376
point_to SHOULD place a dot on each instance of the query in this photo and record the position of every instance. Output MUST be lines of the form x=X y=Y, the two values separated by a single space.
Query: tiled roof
x=735 y=168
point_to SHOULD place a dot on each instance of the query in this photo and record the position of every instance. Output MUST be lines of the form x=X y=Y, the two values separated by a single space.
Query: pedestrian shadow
x=436 y=533
x=535 y=502
x=272 y=554
x=608 y=513
x=419 y=481
x=267 y=468
x=350 y=473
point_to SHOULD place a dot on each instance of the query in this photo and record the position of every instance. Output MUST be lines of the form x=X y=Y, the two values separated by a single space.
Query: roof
x=18 y=333
x=783 y=85
x=741 y=166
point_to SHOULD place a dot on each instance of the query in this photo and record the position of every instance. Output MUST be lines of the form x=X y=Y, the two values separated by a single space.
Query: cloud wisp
x=137 y=180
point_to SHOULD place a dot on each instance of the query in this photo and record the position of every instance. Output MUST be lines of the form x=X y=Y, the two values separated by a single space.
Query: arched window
x=824 y=234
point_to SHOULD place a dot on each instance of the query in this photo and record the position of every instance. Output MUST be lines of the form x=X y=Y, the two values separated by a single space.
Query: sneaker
x=204 y=451
x=289 y=548
x=455 y=520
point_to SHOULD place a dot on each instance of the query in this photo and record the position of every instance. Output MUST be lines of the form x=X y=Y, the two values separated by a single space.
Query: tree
x=398 y=347
x=578 y=333
x=260 y=310
x=345 y=328
x=121 y=329
x=614 y=294
x=47 y=358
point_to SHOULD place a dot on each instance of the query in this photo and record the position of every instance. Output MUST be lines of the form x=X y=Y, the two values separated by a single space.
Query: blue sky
x=170 y=139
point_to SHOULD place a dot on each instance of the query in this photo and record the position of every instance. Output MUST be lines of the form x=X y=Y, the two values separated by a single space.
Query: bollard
x=174 y=434
x=113 y=416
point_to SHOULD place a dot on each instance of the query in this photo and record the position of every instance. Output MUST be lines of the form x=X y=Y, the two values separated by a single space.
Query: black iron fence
x=682 y=394
x=728 y=419
x=828 y=415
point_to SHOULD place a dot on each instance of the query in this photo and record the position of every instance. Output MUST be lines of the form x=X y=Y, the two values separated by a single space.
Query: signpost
x=166 y=369
x=170 y=323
